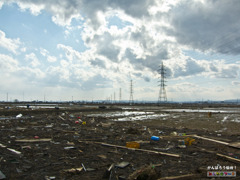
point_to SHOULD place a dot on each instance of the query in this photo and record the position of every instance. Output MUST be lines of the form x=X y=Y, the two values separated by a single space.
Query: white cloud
x=44 y=52
x=24 y=49
x=8 y=64
x=228 y=71
x=34 y=8
x=33 y=58
x=51 y=59
x=9 y=44
x=1 y=4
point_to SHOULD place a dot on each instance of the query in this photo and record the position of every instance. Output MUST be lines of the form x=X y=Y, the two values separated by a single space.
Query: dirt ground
x=84 y=143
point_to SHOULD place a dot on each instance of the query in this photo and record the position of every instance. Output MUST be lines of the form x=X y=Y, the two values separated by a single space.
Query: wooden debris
x=102 y=156
x=67 y=131
x=33 y=140
x=235 y=145
x=157 y=165
x=149 y=131
x=107 y=173
x=14 y=151
x=204 y=150
x=213 y=140
x=122 y=164
x=106 y=124
x=221 y=155
x=3 y=146
x=111 y=167
x=228 y=158
x=20 y=128
x=61 y=118
x=143 y=142
x=142 y=150
x=143 y=172
x=187 y=135
x=74 y=170
x=182 y=177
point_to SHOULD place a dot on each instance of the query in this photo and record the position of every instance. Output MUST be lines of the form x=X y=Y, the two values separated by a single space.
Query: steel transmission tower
x=162 y=92
x=131 y=93
x=120 y=95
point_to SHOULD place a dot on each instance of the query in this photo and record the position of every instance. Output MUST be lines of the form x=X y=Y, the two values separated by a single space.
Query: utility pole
x=131 y=93
x=162 y=92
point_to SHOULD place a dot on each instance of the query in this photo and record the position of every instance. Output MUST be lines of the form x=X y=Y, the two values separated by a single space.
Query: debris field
x=67 y=144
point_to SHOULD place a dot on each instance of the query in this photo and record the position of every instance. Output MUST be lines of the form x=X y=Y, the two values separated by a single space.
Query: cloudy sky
x=89 y=49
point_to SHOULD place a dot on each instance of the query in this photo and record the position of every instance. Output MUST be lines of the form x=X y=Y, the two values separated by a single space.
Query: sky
x=64 y=50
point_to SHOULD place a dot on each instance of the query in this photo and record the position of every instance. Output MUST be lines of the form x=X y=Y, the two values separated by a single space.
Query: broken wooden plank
x=73 y=170
x=213 y=140
x=142 y=150
x=33 y=140
x=205 y=150
x=61 y=118
x=182 y=177
x=143 y=142
x=221 y=155
x=3 y=146
x=235 y=145
x=14 y=151
x=229 y=158
x=177 y=136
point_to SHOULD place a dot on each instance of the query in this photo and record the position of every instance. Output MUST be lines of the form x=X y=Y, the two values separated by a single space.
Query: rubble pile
x=67 y=145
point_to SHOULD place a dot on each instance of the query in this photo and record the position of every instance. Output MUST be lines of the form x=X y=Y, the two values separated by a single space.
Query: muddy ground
x=85 y=143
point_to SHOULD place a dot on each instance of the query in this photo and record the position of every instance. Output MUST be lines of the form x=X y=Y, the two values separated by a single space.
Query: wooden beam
x=33 y=140
x=182 y=177
x=235 y=145
x=61 y=118
x=213 y=140
x=228 y=158
x=142 y=150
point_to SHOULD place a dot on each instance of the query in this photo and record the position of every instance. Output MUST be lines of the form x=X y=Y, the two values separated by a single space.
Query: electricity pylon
x=120 y=95
x=131 y=93
x=162 y=92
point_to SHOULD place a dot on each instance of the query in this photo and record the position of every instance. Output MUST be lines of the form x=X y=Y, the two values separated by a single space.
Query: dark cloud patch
x=135 y=8
x=105 y=46
x=137 y=63
x=96 y=82
x=150 y=62
x=231 y=71
x=98 y=62
x=188 y=67
x=146 y=78
x=212 y=25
